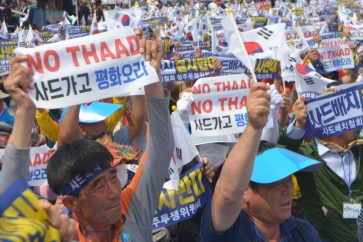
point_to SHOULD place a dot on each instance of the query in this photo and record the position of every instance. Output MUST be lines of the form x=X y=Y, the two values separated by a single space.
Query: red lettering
x=47 y=64
x=37 y=160
x=134 y=44
x=250 y=83
x=234 y=85
x=46 y=158
x=226 y=86
x=243 y=102
x=243 y=84
x=120 y=49
x=37 y=64
x=233 y=103
x=197 y=89
x=91 y=53
x=206 y=88
x=73 y=51
x=347 y=51
x=106 y=52
x=207 y=106
x=221 y=102
x=196 y=108
x=217 y=84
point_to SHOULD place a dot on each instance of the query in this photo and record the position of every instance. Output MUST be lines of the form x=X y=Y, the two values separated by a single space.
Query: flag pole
x=240 y=39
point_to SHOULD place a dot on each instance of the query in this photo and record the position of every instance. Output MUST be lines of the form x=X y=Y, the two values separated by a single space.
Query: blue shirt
x=7 y=117
x=244 y=230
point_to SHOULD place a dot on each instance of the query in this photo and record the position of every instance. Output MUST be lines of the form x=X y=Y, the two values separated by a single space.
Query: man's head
x=92 y=118
x=270 y=203
x=268 y=198
x=342 y=139
x=81 y=172
x=93 y=130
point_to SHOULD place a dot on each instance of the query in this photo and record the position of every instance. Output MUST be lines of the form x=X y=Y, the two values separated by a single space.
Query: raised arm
x=69 y=127
x=17 y=84
x=154 y=54
x=142 y=195
x=137 y=117
x=237 y=169
x=292 y=136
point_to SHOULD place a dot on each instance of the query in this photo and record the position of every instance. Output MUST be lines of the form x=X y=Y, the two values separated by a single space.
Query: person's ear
x=247 y=195
x=72 y=203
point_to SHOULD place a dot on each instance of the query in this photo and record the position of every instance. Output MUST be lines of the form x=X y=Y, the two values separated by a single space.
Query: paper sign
x=192 y=195
x=87 y=69
x=38 y=166
x=336 y=58
x=335 y=113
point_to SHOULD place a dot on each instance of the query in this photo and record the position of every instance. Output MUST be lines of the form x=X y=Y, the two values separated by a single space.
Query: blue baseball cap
x=97 y=111
x=277 y=163
x=94 y=112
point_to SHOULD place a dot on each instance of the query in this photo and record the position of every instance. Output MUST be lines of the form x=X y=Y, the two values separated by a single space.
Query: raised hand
x=258 y=105
x=300 y=111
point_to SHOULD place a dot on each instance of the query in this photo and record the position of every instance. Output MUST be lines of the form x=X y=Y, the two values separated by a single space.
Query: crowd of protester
x=273 y=184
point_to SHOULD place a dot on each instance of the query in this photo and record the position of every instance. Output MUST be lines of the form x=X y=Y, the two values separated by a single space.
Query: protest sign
x=327 y=43
x=335 y=113
x=308 y=32
x=219 y=108
x=87 y=69
x=4 y=67
x=356 y=35
x=264 y=68
x=7 y=49
x=38 y=166
x=336 y=58
x=185 y=70
x=22 y=216
x=259 y=21
x=330 y=35
x=264 y=5
x=175 y=206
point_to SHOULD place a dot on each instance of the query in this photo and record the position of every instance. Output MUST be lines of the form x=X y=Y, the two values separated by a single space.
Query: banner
x=186 y=70
x=153 y=22
x=87 y=69
x=336 y=58
x=220 y=106
x=264 y=68
x=335 y=113
x=175 y=206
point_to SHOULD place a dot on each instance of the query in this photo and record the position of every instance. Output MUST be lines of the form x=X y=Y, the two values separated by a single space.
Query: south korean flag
x=268 y=37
